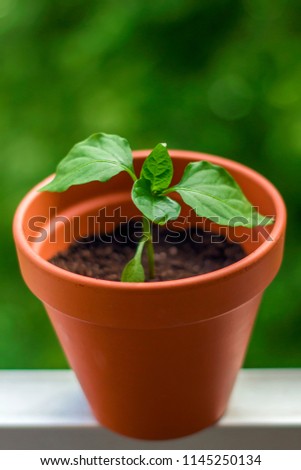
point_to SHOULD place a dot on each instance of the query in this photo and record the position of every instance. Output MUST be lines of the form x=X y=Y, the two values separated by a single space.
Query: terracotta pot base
x=157 y=383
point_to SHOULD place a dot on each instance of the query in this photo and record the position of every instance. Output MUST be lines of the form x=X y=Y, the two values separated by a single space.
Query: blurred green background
x=220 y=76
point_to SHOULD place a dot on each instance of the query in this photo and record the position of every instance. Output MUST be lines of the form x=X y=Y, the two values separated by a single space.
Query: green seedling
x=208 y=189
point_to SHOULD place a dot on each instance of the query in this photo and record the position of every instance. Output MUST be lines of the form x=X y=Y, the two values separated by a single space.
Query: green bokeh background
x=220 y=76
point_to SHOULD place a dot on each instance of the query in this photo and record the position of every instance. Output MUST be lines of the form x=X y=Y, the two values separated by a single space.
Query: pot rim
x=228 y=271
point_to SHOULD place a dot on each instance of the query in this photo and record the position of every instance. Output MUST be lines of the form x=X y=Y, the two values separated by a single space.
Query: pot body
x=156 y=360
x=158 y=383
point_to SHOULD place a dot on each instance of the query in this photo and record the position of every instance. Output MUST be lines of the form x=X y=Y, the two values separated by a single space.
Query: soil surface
x=178 y=254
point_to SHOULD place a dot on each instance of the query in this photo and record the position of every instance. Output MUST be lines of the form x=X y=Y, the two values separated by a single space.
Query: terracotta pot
x=155 y=360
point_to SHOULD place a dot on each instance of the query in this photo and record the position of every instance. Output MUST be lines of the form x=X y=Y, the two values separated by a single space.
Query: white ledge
x=47 y=410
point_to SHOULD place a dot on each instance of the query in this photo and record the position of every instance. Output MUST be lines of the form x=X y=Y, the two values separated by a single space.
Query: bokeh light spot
x=230 y=98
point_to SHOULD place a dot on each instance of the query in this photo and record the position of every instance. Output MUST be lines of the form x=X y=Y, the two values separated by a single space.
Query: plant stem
x=132 y=174
x=149 y=246
x=169 y=190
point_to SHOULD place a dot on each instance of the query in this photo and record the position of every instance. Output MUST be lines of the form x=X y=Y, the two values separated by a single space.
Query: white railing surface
x=47 y=410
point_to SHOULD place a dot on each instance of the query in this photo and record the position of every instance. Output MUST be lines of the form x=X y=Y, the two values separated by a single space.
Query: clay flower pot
x=155 y=360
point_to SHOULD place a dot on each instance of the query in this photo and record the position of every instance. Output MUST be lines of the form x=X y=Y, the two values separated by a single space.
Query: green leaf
x=97 y=158
x=212 y=192
x=158 y=168
x=133 y=270
x=157 y=208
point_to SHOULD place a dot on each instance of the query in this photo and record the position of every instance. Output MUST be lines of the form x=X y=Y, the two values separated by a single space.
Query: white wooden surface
x=47 y=410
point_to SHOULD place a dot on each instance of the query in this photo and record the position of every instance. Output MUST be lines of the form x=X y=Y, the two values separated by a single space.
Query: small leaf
x=212 y=192
x=97 y=158
x=158 y=168
x=133 y=270
x=157 y=208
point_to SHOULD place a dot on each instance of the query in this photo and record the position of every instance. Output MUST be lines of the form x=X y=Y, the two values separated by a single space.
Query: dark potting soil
x=178 y=255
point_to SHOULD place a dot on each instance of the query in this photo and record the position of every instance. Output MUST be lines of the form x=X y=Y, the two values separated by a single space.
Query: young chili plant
x=208 y=189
